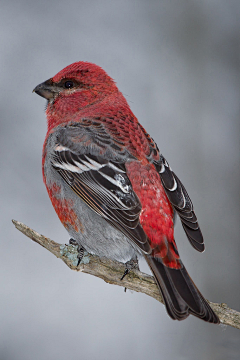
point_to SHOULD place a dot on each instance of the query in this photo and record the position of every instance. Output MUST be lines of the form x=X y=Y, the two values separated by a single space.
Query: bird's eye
x=68 y=84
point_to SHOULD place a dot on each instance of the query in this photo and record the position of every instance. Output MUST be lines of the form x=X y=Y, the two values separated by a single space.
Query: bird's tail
x=179 y=292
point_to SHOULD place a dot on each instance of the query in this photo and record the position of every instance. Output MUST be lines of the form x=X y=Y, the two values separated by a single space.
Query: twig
x=111 y=272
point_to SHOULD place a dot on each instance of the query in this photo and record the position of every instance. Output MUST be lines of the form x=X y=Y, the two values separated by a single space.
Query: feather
x=181 y=203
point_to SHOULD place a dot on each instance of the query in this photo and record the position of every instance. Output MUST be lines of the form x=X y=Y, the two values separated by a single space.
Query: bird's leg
x=130 y=265
x=80 y=249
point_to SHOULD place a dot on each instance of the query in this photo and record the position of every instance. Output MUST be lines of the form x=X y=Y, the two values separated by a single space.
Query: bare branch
x=112 y=271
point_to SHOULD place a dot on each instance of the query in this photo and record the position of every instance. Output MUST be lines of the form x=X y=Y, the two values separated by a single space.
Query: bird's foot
x=80 y=249
x=130 y=265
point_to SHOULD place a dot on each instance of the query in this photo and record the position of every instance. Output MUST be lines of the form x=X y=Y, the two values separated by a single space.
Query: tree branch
x=111 y=272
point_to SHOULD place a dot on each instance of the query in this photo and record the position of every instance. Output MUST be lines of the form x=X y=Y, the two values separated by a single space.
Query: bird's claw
x=80 y=249
x=130 y=265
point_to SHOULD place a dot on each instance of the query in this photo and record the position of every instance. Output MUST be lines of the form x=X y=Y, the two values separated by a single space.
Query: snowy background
x=178 y=64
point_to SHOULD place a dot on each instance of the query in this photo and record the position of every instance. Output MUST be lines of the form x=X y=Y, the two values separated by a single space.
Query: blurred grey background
x=178 y=63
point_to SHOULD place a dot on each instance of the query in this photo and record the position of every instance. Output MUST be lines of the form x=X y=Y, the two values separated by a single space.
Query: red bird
x=112 y=189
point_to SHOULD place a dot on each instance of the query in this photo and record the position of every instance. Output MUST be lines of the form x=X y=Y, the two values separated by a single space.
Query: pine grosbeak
x=112 y=189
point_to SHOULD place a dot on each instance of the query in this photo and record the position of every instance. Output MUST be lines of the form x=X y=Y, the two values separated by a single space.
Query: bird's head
x=76 y=87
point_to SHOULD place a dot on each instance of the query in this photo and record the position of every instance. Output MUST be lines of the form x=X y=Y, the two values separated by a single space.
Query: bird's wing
x=176 y=194
x=181 y=202
x=99 y=180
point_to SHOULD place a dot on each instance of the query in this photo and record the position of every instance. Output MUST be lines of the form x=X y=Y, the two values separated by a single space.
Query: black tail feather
x=179 y=292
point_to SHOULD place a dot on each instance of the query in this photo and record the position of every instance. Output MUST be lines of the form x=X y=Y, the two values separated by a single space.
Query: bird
x=111 y=187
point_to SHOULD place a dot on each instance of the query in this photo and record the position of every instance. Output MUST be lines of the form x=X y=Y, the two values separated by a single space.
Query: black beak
x=46 y=90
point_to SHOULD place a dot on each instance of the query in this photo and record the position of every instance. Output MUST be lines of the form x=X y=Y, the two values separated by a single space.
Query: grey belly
x=97 y=236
